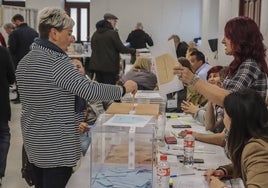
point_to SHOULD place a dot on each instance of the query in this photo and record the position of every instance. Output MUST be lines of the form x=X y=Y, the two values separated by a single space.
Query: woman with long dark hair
x=247 y=143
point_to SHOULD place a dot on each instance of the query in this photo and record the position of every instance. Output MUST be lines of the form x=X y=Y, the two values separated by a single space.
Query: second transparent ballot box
x=122 y=151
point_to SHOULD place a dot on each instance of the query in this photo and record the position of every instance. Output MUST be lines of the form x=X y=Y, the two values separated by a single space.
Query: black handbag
x=26 y=169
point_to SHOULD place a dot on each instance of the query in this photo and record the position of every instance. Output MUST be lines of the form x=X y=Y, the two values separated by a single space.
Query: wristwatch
x=194 y=80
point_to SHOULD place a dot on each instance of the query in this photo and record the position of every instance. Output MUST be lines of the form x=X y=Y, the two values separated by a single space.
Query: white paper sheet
x=173 y=84
x=128 y=120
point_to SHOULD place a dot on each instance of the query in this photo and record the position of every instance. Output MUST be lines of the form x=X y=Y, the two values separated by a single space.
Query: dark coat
x=7 y=77
x=138 y=39
x=182 y=49
x=20 y=41
x=106 y=48
x=2 y=40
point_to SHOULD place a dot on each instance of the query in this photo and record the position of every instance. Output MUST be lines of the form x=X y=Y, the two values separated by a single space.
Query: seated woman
x=211 y=114
x=246 y=119
x=212 y=121
x=141 y=73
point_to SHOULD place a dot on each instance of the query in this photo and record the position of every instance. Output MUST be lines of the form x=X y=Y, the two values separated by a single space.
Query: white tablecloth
x=213 y=156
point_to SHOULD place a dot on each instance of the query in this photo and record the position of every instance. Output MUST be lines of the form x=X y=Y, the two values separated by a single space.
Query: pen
x=173 y=116
x=200 y=169
x=173 y=176
x=174 y=134
x=222 y=176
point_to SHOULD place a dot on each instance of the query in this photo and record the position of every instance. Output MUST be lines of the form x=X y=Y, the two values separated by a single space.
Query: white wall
x=228 y=9
x=160 y=18
x=215 y=15
x=264 y=23
x=210 y=22
x=40 y=4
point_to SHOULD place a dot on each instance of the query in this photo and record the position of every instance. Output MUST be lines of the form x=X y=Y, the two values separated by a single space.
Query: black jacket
x=20 y=41
x=138 y=39
x=182 y=49
x=7 y=77
x=106 y=48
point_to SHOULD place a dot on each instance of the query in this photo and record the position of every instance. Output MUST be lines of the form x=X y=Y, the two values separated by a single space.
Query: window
x=19 y=3
x=78 y=10
x=251 y=8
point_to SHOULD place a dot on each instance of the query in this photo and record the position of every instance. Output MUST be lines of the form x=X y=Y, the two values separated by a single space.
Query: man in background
x=138 y=39
x=9 y=28
x=2 y=40
x=19 y=42
x=7 y=77
x=106 y=48
x=200 y=67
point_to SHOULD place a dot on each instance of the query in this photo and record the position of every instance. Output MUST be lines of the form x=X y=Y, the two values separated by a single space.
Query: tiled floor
x=13 y=179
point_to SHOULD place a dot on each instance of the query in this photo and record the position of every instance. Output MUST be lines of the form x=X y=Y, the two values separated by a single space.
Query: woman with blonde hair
x=141 y=73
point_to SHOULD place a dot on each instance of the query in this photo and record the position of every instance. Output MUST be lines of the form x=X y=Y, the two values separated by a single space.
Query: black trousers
x=51 y=177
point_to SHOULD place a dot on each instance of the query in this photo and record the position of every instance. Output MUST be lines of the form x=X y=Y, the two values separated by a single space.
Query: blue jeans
x=85 y=139
x=4 y=146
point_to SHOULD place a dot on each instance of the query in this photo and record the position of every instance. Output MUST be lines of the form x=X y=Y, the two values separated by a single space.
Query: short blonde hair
x=143 y=63
x=52 y=17
x=9 y=26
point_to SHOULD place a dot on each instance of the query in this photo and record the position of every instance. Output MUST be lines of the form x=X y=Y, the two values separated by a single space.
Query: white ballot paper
x=164 y=60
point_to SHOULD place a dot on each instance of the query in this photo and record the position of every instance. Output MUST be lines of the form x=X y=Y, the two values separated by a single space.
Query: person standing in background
x=106 y=48
x=180 y=46
x=9 y=28
x=19 y=42
x=2 y=40
x=7 y=77
x=138 y=39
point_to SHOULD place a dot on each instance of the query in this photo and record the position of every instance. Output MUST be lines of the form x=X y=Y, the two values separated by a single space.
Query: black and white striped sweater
x=48 y=82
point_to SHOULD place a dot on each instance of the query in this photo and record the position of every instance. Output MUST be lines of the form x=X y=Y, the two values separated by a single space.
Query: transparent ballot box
x=122 y=151
x=147 y=97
